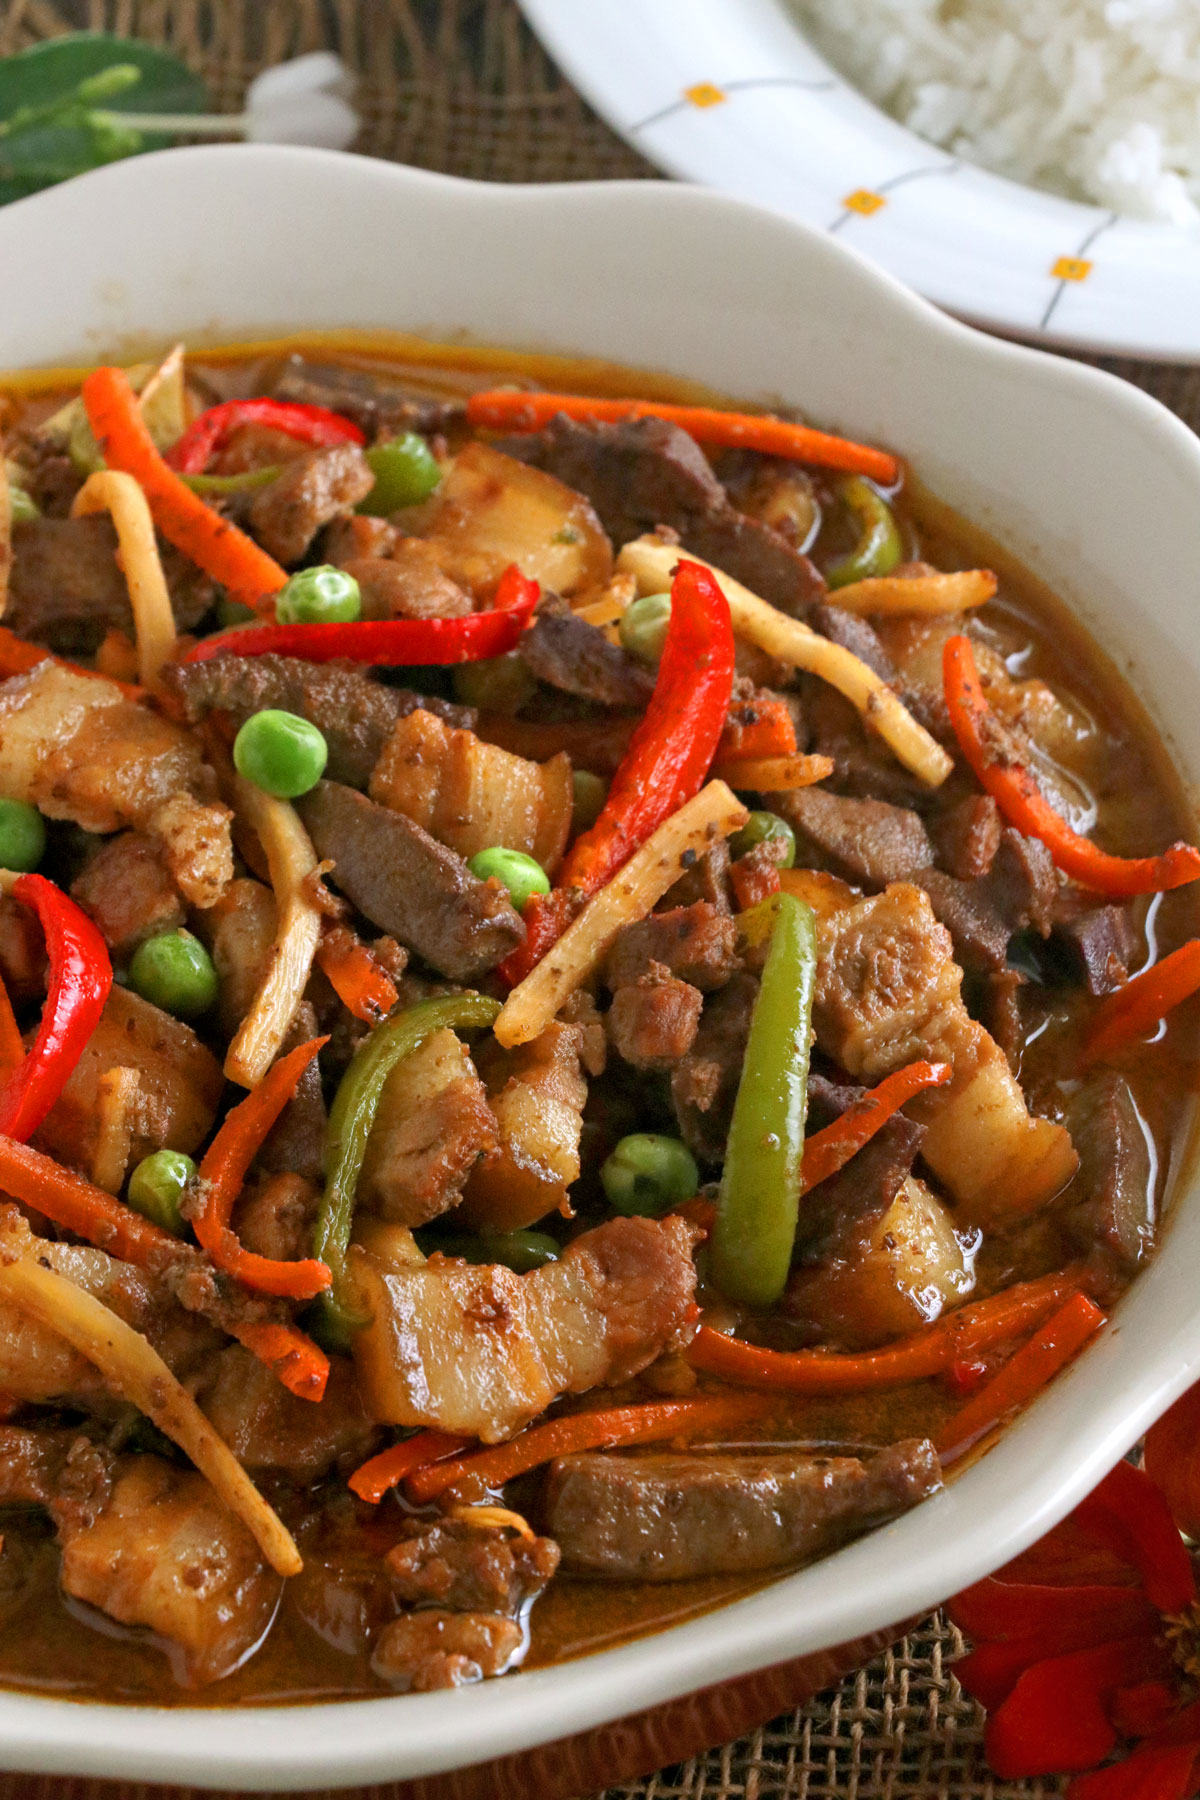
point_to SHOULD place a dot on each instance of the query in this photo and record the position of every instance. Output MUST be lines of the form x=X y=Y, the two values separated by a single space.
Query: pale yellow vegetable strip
x=116 y=1106
x=5 y=532
x=154 y=624
x=774 y=774
x=952 y=591
x=291 y=860
x=652 y=562
x=136 y=1372
x=715 y=812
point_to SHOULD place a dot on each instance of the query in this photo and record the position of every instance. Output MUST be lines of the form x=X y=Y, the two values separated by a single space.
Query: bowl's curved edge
x=895 y=1573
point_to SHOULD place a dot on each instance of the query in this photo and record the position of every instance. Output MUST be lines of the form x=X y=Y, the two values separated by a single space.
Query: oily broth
x=50 y=1646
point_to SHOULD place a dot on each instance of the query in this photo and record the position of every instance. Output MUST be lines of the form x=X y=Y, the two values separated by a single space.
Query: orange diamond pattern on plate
x=863 y=201
x=704 y=94
x=1071 y=268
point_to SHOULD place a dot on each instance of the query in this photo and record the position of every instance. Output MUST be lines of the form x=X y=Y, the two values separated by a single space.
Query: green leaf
x=72 y=74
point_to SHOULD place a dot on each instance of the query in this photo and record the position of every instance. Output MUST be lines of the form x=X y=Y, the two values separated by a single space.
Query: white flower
x=305 y=101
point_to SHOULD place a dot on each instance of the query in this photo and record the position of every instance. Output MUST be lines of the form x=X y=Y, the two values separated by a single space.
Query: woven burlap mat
x=464 y=87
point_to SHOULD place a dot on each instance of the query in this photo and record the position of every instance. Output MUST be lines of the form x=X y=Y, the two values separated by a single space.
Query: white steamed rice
x=1096 y=99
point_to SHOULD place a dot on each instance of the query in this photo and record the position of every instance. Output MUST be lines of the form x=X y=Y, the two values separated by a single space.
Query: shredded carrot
x=372 y=1480
x=355 y=976
x=926 y=1352
x=12 y=1049
x=773 y=774
x=212 y=542
x=1024 y=1374
x=220 y=1180
x=514 y=409
x=759 y=726
x=597 y=1430
x=1017 y=795
x=1134 y=1008
x=294 y=1360
x=830 y=1150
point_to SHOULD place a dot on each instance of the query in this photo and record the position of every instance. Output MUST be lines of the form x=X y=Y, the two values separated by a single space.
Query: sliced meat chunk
x=652 y=1022
x=704 y=1085
x=409 y=885
x=407 y=583
x=865 y=841
x=478 y=1350
x=295 y=1144
x=856 y=634
x=1116 y=1206
x=889 y=993
x=352 y=536
x=310 y=490
x=966 y=836
x=433 y=1125
x=967 y=910
x=537 y=1093
x=356 y=714
x=644 y=473
x=270 y=1431
x=1023 y=882
x=651 y=1516
x=66 y=588
x=1097 y=945
x=705 y=879
x=566 y=652
x=79 y=749
x=423 y=1651
x=127 y=890
x=696 y=943
x=1019 y=890
x=465 y=1567
x=276 y=1213
x=378 y=403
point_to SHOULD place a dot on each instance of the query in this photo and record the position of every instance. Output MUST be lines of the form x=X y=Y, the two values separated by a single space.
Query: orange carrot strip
x=220 y=1180
x=294 y=1360
x=1023 y=1375
x=830 y=1150
x=354 y=975
x=1134 y=1008
x=371 y=1480
x=17 y=657
x=773 y=774
x=12 y=1049
x=212 y=542
x=511 y=409
x=1017 y=795
x=760 y=726
x=585 y=1431
x=927 y=1352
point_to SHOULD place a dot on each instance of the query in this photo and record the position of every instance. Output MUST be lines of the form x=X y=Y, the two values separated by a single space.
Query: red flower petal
x=1073 y=1617
x=1137 y=1711
x=1129 y=1515
x=1146 y=1775
x=1172 y=1462
x=1055 y=1720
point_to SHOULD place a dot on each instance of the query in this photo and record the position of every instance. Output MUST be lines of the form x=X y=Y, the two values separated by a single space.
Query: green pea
x=762 y=828
x=281 y=753
x=590 y=794
x=519 y=873
x=519 y=1250
x=643 y=627
x=156 y=1188
x=232 y=612
x=319 y=596
x=22 y=507
x=497 y=684
x=405 y=470
x=175 y=972
x=22 y=836
x=647 y=1173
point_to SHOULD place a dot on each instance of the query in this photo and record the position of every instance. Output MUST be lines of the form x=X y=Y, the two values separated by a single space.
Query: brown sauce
x=51 y=1646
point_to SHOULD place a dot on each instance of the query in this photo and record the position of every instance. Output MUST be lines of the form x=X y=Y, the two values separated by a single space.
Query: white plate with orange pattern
x=731 y=94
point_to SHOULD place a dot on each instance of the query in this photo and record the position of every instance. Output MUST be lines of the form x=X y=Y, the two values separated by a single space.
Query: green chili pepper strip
x=350 y=1120
x=879 y=547
x=760 y=1188
x=233 y=484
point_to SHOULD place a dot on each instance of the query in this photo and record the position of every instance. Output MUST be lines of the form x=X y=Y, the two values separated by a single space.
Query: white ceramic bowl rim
x=219 y=242
x=731 y=93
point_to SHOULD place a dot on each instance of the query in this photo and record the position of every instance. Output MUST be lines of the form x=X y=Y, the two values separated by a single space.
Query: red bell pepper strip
x=402 y=643
x=79 y=983
x=1017 y=795
x=518 y=409
x=669 y=755
x=211 y=541
x=1131 y=1011
x=314 y=425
